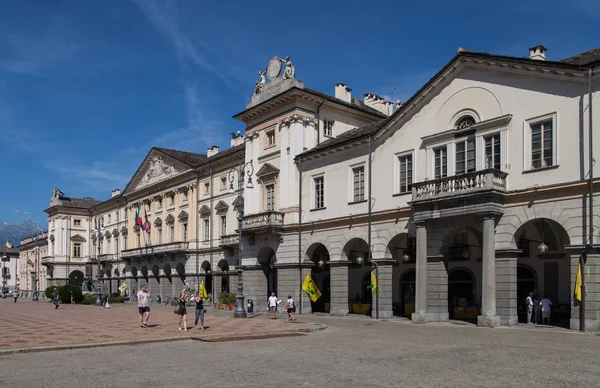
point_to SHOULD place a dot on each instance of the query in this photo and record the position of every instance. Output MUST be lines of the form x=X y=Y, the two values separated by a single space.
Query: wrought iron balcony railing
x=471 y=182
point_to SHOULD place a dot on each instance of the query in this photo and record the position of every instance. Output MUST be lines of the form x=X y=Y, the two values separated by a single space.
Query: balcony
x=170 y=248
x=230 y=240
x=472 y=182
x=47 y=260
x=477 y=192
x=270 y=222
x=107 y=257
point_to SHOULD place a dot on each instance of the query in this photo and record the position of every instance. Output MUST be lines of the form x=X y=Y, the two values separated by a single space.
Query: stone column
x=488 y=317
x=437 y=292
x=384 y=290
x=287 y=284
x=303 y=299
x=255 y=287
x=339 y=289
x=421 y=275
x=506 y=286
x=592 y=288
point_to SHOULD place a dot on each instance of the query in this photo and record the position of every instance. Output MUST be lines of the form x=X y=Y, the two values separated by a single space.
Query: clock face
x=274 y=68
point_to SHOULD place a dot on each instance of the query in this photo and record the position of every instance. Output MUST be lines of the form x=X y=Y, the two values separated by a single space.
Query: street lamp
x=242 y=171
x=98 y=223
x=35 y=274
x=5 y=258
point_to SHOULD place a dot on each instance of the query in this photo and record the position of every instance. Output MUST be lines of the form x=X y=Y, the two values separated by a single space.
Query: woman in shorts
x=182 y=312
x=291 y=308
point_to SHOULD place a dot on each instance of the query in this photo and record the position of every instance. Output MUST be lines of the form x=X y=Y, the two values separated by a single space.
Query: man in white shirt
x=143 y=298
x=546 y=304
x=529 y=303
x=272 y=305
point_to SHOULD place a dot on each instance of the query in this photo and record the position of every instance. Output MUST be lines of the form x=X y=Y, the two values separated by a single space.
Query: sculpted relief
x=157 y=170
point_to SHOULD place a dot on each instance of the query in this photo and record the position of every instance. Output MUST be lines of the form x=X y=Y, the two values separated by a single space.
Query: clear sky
x=88 y=87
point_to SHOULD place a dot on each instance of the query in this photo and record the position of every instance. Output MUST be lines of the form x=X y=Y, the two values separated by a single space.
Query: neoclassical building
x=33 y=276
x=465 y=198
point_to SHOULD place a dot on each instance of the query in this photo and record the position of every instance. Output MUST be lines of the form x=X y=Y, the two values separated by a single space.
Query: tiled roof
x=222 y=154
x=14 y=251
x=348 y=136
x=79 y=203
x=190 y=158
x=363 y=108
x=585 y=58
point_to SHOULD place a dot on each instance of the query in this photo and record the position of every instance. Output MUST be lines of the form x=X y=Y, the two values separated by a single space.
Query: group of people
x=290 y=307
x=143 y=299
x=538 y=309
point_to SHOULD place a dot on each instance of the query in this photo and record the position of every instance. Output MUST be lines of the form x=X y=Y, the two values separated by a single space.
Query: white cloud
x=16 y=210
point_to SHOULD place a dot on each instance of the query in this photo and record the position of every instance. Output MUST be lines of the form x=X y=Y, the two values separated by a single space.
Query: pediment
x=124 y=230
x=158 y=221
x=107 y=234
x=78 y=238
x=237 y=201
x=115 y=232
x=155 y=168
x=183 y=215
x=267 y=170
x=221 y=206
x=169 y=218
x=204 y=210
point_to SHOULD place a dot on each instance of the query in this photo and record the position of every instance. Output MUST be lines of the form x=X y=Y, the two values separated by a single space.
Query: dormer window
x=328 y=128
x=465 y=122
x=270 y=138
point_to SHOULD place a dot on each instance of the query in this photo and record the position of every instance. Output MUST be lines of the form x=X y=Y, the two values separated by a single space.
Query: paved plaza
x=351 y=352
x=37 y=324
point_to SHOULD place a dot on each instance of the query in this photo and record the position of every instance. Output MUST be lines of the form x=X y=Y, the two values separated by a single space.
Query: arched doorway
x=224 y=267
x=359 y=297
x=321 y=275
x=76 y=278
x=462 y=295
x=407 y=293
x=544 y=268
x=267 y=260
x=208 y=277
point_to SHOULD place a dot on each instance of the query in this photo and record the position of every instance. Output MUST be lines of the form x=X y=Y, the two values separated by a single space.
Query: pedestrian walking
x=55 y=298
x=291 y=308
x=272 y=305
x=143 y=299
x=105 y=299
x=16 y=294
x=182 y=312
x=199 y=310
x=546 y=305
x=529 y=305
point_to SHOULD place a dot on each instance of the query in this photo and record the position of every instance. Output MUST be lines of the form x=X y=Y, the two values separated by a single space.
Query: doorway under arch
x=76 y=278
x=321 y=276
x=407 y=293
x=462 y=295
x=267 y=260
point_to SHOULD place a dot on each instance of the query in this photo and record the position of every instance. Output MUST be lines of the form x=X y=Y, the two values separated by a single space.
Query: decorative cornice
x=305 y=120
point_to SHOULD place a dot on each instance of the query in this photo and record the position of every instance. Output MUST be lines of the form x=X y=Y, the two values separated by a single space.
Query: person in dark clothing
x=182 y=312
x=199 y=310
x=55 y=298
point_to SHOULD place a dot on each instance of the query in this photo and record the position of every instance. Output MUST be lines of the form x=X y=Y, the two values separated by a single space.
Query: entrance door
x=525 y=285
x=407 y=293
x=461 y=287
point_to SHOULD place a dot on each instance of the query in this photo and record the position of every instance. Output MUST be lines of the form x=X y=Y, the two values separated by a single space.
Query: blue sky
x=88 y=87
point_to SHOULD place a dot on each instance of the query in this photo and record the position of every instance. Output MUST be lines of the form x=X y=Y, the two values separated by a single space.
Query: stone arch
x=223 y=265
x=354 y=248
x=545 y=231
x=402 y=244
x=76 y=277
x=317 y=251
x=206 y=266
x=463 y=239
x=266 y=255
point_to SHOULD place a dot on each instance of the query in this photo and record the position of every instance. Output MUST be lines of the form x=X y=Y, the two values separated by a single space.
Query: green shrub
x=227 y=298
x=115 y=299
x=64 y=293
x=89 y=298
x=48 y=292
x=114 y=294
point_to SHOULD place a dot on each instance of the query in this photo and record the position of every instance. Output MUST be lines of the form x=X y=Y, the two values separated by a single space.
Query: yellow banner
x=311 y=288
x=203 y=290
x=373 y=283
x=578 y=283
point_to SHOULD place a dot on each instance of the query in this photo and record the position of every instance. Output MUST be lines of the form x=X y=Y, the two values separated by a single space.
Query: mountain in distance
x=15 y=232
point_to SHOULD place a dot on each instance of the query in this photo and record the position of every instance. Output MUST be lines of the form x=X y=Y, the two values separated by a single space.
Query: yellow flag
x=311 y=288
x=373 y=283
x=578 y=283
x=203 y=290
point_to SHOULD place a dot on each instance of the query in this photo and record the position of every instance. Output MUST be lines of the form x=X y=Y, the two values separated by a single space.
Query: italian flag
x=138 y=216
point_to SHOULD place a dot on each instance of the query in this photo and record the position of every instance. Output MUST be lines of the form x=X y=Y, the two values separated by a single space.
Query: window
x=159 y=203
x=270 y=197
x=223 y=225
x=159 y=236
x=270 y=138
x=319 y=193
x=206 y=230
x=137 y=239
x=207 y=188
x=492 y=152
x=171 y=232
x=441 y=162
x=77 y=222
x=406 y=173
x=77 y=250
x=101 y=250
x=465 y=156
x=171 y=200
x=109 y=217
x=184 y=231
x=542 y=144
x=124 y=242
x=465 y=122
x=185 y=195
x=327 y=128
x=223 y=183
x=358 y=183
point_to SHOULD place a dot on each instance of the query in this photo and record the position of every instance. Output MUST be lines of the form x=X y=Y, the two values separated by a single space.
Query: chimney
x=378 y=103
x=538 y=53
x=236 y=139
x=115 y=192
x=343 y=92
x=212 y=151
